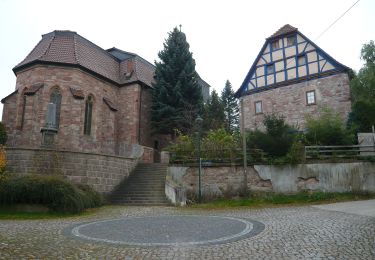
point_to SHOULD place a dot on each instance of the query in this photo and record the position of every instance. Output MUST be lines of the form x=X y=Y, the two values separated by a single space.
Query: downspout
x=140 y=114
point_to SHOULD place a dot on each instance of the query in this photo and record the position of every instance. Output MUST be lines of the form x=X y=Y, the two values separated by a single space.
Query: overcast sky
x=224 y=36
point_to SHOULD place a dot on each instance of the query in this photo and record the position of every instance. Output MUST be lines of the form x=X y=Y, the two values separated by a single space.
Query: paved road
x=290 y=233
x=363 y=208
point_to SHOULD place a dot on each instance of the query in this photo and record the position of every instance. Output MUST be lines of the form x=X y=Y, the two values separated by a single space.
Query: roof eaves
x=11 y=94
x=238 y=94
x=338 y=64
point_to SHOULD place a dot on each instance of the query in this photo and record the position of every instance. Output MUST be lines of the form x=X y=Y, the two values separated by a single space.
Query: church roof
x=70 y=49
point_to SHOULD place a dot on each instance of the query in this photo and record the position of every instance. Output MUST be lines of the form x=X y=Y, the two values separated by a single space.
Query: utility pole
x=245 y=188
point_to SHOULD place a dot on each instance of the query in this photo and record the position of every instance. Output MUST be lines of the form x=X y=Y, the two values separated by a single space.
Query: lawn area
x=14 y=214
x=261 y=200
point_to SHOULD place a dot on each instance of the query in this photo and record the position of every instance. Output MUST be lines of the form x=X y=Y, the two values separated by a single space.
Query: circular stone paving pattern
x=187 y=230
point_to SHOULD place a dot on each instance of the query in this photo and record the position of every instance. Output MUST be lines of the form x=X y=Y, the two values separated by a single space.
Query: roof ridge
x=117 y=49
x=97 y=47
x=285 y=29
x=75 y=49
x=49 y=46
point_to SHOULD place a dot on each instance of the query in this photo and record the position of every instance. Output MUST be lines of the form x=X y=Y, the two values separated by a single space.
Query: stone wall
x=290 y=101
x=102 y=172
x=115 y=130
x=229 y=180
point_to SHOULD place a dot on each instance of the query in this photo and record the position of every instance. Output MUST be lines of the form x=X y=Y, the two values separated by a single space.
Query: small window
x=310 y=97
x=258 y=107
x=88 y=115
x=301 y=60
x=270 y=69
x=275 y=45
x=291 y=40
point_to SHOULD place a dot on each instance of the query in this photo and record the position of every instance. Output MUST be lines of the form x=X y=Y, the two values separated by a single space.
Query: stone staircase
x=145 y=187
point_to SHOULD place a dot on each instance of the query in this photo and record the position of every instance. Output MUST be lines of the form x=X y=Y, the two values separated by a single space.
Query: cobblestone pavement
x=290 y=233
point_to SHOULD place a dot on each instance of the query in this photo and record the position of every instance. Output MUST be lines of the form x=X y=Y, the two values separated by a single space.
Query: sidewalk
x=363 y=207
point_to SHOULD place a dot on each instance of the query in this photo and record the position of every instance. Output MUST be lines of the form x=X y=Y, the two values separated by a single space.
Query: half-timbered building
x=293 y=77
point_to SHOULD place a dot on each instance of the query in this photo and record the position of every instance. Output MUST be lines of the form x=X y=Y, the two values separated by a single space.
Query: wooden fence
x=339 y=151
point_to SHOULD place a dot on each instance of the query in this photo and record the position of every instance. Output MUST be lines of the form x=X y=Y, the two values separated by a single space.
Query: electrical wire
x=341 y=16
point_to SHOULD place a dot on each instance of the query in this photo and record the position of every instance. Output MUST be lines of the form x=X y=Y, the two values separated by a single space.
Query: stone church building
x=293 y=77
x=73 y=95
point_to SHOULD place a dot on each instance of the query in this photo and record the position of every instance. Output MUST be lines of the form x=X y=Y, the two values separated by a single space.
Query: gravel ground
x=289 y=233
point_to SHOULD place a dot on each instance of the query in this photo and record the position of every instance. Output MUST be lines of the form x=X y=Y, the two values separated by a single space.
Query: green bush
x=327 y=129
x=276 y=140
x=52 y=191
x=219 y=144
x=3 y=134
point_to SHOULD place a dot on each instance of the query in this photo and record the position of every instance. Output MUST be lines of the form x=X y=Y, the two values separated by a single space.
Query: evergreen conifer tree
x=177 y=97
x=230 y=106
x=213 y=113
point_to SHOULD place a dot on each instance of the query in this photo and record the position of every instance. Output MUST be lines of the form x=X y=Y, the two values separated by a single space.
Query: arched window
x=55 y=98
x=88 y=115
x=23 y=110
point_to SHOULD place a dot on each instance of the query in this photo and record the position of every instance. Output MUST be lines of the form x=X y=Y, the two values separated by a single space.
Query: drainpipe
x=139 y=114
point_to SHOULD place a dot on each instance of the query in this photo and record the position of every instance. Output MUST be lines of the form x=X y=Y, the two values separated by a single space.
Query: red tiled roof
x=284 y=30
x=69 y=48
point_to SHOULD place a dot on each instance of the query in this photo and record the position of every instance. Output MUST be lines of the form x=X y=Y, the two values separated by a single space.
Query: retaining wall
x=229 y=180
x=102 y=172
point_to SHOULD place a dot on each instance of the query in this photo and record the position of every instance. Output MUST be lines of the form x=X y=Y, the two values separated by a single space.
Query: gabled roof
x=283 y=32
x=286 y=29
x=68 y=48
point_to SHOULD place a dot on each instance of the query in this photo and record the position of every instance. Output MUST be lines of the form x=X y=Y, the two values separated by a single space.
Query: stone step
x=144 y=204
x=137 y=200
x=145 y=192
x=144 y=187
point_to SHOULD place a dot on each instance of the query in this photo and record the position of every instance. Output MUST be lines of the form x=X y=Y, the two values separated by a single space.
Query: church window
x=301 y=60
x=258 y=107
x=291 y=40
x=88 y=115
x=310 y=97
x=23 y=110
x=270 y=69
x=275 y=45
x=55 y=98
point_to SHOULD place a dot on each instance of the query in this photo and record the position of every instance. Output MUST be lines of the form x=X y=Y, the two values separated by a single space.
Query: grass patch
x=9 y=213
x=258 y=200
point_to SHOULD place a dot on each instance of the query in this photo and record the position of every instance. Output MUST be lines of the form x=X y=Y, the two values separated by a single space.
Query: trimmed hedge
x=54 y=192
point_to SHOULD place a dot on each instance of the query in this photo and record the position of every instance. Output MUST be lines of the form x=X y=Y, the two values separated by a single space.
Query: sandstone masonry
x=290 y=101
x=102 y=172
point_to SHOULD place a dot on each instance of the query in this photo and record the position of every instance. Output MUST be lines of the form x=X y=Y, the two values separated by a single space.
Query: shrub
x=3 y=134
x=296 y=153
x=3 y=162
x=52 y=191
x=216 y=145
x=327 y=129
x=277 y=139
x=219 y=144
x=182 y=149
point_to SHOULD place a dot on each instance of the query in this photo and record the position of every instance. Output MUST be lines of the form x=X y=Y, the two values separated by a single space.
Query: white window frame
x=258 y=111
x=310 y=101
